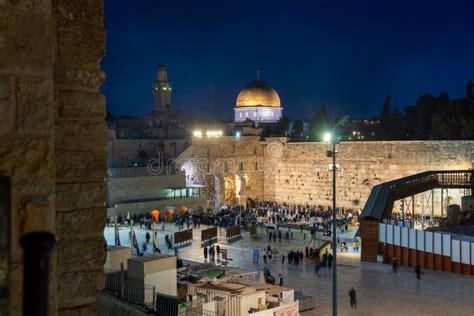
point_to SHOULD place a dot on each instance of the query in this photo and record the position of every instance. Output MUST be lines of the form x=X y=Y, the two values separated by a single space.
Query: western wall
x=287 y=172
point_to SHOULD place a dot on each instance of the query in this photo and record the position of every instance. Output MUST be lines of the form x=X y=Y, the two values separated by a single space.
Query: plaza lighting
x=327 y=137
x=332 y=153
x=212 y=134
x=197 y=134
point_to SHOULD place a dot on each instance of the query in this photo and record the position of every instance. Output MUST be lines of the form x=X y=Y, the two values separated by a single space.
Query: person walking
x=394 y=265
x=280 y=280
x=418 y=271
x=282 y=259
x=330 y=260
x=205 y=253
x=352 y=296
x=317 y=266
x=218 y=250
x=279 y=235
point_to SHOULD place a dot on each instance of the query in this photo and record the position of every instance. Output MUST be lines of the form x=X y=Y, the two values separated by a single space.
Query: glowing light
x=327 y=137
x=197 y=134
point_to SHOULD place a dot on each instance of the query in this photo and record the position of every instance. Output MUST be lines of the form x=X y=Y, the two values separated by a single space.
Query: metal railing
x=130 y=291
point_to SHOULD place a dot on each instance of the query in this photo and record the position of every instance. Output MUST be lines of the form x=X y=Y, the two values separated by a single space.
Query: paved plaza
x=379 y=292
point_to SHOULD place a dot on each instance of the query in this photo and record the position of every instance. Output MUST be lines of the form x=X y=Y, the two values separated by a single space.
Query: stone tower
x=162 y=90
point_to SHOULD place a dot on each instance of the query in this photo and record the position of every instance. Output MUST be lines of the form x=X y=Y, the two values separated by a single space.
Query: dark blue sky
x=345 y=54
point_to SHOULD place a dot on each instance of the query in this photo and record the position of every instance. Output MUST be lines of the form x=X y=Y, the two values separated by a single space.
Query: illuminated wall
x=257 y=114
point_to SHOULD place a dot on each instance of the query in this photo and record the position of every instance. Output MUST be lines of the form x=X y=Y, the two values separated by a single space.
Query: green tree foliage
x=319 y=124
x=391 y=126
x=297 y=131
x=281 y=128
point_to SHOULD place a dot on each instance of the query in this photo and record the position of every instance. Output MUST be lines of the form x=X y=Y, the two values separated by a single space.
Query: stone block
x=26 y=43
x=82 y=284
x=91 y=11
x=80 y=43
x=85 y=223
x=74 y=104
x=76 y=166
x=67 y=77
x=6 y=104
x=81 y=135
x=76 y=196
x=80 y=254
x=35 y=105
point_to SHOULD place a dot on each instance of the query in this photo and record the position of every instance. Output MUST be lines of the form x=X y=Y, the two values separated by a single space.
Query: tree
x=298 y=130
x=281 y=128
x=319 y=124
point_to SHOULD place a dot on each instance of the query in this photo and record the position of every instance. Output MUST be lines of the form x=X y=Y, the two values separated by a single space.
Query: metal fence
x=305 y=302
x=130 y=291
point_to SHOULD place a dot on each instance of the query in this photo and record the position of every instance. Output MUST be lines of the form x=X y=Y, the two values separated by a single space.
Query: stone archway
x=219 y=191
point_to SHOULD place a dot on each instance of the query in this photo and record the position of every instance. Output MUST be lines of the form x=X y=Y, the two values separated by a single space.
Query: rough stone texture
x=85 y=223
x=299 y=172
x=80 y=166
x=79 y=196
x=80 y=43
x=81 y=105
x=80 y=154
x=53 y=141
x=25 y=43
x=6 y=103
x=35 y=106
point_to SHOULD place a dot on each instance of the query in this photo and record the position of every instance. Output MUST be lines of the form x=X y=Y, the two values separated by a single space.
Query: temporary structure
x=155 y=216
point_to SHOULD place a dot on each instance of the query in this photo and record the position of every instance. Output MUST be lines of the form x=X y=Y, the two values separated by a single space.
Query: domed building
x=258 y=102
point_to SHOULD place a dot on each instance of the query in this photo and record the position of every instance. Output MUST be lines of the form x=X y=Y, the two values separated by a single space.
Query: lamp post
x=332 y=153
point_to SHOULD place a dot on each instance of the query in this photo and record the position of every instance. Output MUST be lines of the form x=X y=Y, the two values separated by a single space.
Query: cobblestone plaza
x=379 y=291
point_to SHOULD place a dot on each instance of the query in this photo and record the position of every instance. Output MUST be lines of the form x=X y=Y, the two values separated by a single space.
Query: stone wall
x=125 y=152
x=299 y=172
x=121 y=190
x=222 y=164
x=53 y=136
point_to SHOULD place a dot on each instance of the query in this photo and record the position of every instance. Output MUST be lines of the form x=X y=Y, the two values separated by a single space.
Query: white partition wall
x=390 y=234
x=397 y=235
x=412 y=238
x=405 y=231
x=438 y=243
x=472 y=253
x=420 y=240
x=446 y=245
x=382 y=233
x=465 y=252
x=455 y=250
x=429 y=242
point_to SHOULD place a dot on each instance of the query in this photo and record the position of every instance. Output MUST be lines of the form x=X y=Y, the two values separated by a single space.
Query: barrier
x=233 y=232
x=432 y=250
x=183 y=238
x=253 y=230
x=130 y=291
x=208 y=235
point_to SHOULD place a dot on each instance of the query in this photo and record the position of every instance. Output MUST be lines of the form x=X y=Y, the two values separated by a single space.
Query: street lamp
x=332 y=153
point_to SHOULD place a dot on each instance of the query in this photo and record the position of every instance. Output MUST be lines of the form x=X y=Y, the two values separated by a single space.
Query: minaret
x=162 y=90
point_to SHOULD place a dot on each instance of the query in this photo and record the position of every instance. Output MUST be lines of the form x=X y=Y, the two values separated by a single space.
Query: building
x=258 y=102
x=157 y=270
x=241 y=297
x=162 y=90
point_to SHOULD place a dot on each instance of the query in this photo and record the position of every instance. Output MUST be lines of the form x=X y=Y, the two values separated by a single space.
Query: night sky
x=344 y=54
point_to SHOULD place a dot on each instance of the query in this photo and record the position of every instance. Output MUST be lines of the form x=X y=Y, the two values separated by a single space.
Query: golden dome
x=258 y=93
